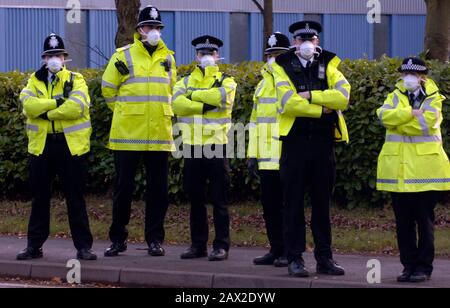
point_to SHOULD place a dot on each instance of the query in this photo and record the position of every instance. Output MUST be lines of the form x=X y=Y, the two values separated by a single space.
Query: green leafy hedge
x=356 y=168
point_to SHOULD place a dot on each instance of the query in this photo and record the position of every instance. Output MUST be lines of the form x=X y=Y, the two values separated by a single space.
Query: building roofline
x=403 y=7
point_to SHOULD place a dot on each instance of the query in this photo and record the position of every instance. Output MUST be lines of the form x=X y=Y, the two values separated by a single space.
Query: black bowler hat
x=306 y=29
x=54 y=46
x=150 y=16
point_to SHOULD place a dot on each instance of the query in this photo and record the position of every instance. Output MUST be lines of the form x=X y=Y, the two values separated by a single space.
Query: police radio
x=68 y=86
x=167 y=66
x=122 y=67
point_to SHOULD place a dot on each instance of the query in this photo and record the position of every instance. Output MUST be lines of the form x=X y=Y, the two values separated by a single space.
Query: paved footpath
x=136 y=268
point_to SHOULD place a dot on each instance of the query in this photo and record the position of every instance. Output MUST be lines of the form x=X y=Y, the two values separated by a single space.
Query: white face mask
x=271 y=60
x=153 y=37
x=411 y=82
x=54 y=65
x=306 y=50
x=207 y=60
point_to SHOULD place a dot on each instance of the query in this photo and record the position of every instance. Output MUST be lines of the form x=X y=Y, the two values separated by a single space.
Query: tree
x=127 y=16
x=437 y=32
x=267 y=12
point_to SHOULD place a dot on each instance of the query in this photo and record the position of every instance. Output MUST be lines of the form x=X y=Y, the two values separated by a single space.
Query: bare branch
x=258 y=5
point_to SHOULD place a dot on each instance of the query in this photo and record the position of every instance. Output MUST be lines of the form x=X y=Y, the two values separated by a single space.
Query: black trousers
x=414 y=214
x=272 y=202
x=57 y=160
x=157 y=196
x=200 y=173
x=307 y=163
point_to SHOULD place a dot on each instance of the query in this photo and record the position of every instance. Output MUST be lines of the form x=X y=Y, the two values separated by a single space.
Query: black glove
x=252 y=166
x=207 y=108
x=44 y=116
x=59 y=102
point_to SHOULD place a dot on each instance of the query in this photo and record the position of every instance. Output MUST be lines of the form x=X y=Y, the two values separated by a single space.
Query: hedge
x=356 y=162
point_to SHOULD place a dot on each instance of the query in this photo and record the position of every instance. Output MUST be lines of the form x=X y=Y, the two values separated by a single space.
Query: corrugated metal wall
x=102 y=31
x=189 y=25
x=407 y=35
x=349 y=36
x=22 y=32
x=280 y=6
x=281 y=23
x=22 y=36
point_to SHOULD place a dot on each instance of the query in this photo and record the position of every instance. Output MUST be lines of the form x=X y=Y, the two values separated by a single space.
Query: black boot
x=297 y=268
x=115 y=249
x=329 y=267
x=281 y=262
x=267 y=259
x=155 y=250
x=86 y=255
x=194 y=253
x=218 y=255
x=29 y=254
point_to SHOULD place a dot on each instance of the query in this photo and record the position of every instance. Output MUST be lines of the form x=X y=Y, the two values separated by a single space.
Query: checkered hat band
x=413 y=67
x=149 y=22
x=306 y=31
x=207 y=46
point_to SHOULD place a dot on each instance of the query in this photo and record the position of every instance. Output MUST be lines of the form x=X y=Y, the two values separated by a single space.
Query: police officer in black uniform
x=307 y=160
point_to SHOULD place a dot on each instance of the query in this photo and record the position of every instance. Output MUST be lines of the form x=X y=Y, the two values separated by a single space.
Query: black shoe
x=330 y=267
x=156 y=250
x=419 y=277
x=405 y=276
x=29 y=254
x=297 y=268
x=281 y=262
x=115 y=249
x=194 y=253
x=86 y=255
x=267 y=259
x=218 y=255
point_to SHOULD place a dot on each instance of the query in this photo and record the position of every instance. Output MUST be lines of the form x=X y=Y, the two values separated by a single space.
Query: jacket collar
x=429 y=87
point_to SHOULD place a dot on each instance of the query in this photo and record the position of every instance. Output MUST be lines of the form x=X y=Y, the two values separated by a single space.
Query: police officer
x=137 y=86
x=203 y=102
x=413 y=165
x=264 y=151
x=56 y=104
x=312 y=92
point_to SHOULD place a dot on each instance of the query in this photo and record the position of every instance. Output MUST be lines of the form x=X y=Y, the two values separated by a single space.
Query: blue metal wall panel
x=349 y=36
x=256 y=36
x=3 y=40
x=407 y=35
x=189 y=25
x=168 y=33
x=281 y=23
x=24 y=34
x=102 y=33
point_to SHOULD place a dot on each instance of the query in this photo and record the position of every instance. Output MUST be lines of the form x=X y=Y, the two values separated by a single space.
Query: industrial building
x=24 y=25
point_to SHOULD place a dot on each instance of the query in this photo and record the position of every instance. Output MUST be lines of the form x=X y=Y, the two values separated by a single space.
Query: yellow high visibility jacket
x=71 y=118
x=141 y=100
x=292 y=105
x=264 y=142
x=412 y=158
x=210 y=87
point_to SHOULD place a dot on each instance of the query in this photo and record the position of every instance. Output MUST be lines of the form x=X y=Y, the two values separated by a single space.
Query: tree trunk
x=127 y=16
x=268 y=19
x=267 y=12
x=437 y=33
